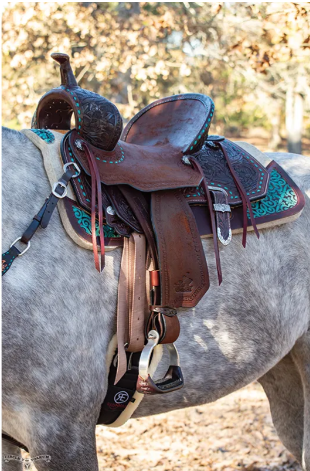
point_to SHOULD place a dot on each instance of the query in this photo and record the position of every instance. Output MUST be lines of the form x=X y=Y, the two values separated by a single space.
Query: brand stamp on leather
x=185 y=285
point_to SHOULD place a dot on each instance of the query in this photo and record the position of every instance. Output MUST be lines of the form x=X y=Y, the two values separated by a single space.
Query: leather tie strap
x=96 y=185
x=245 y=199
x=131 y=300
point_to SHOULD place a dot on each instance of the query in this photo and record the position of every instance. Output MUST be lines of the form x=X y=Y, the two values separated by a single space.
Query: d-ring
x=77 y=168
x=25 y=250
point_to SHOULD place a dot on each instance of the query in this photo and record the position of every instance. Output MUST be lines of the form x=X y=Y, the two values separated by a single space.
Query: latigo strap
x=131 y=300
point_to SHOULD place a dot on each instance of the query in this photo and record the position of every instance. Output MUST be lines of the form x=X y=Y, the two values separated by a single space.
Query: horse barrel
x=97 y=120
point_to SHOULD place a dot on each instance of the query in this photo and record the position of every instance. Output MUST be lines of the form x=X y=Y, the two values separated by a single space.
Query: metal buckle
x=25 y=250
x=215 y=188
x=77 y=168
x=223 y=208
x=152 y=341
x=57 y=194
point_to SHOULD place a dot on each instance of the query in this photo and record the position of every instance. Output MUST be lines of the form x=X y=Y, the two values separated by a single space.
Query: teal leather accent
x=45 y=134
x=280 y=197
x=84 y=221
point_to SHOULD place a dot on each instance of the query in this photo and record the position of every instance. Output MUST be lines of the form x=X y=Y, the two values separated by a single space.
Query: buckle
x=223 y=208
x=57 y=194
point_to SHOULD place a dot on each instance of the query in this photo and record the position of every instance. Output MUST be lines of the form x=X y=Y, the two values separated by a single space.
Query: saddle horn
x=66 y=73
x=97 y=120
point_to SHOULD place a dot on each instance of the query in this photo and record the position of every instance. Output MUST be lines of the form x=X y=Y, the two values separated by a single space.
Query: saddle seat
x=181 y=121
x=149 y=154
x=153 y=150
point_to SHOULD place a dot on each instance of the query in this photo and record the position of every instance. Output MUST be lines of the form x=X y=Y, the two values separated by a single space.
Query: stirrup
x=172 y=380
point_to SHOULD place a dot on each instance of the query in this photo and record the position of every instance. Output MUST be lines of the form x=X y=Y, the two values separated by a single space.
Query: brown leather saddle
x=148 y=180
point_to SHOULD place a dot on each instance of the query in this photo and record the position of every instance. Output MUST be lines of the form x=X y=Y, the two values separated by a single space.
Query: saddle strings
x=212 y=217
x=246 y=204
x=96 y=185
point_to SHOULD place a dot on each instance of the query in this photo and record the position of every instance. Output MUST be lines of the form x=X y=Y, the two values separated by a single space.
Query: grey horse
x=59 y=317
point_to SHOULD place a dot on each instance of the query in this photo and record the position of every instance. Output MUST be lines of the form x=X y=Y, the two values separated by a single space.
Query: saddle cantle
x=96 y=118
x=162 y=180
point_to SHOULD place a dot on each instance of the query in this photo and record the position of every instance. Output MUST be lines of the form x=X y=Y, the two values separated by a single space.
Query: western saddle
x=145 y=182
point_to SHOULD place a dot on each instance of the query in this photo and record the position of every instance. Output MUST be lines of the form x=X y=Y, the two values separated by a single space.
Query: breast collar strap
x=42 y=218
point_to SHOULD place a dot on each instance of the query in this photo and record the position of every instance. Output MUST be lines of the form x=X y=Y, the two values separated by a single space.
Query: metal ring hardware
x=57 y=194
x=25 y=250
x=77 y=168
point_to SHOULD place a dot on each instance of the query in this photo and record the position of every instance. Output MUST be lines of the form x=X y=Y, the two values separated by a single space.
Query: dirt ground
x=235 y=433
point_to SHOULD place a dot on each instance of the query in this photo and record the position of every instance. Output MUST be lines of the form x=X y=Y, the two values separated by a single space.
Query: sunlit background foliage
x=252 y=59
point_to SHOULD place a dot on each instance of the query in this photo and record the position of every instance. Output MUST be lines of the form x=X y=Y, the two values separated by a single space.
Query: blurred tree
x=250 y=58
x=276 y=45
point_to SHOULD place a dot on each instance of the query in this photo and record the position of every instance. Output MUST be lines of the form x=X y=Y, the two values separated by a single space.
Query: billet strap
x=212 y=218
x=131 y=300
x=222 y=212
x=182 y=262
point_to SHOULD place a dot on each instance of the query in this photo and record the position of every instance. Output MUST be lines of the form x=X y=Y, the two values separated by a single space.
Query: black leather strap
x=42 y=218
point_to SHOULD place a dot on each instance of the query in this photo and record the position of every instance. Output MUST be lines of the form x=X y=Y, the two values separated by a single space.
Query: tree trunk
x=275 y=119
x=294 y=119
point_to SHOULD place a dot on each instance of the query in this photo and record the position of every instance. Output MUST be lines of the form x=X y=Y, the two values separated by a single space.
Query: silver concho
x=110 y=211
x=78 y=144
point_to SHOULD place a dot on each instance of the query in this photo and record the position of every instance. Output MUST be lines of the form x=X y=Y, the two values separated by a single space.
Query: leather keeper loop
x=172 y=329
x=154 y=276
x=168 y=327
